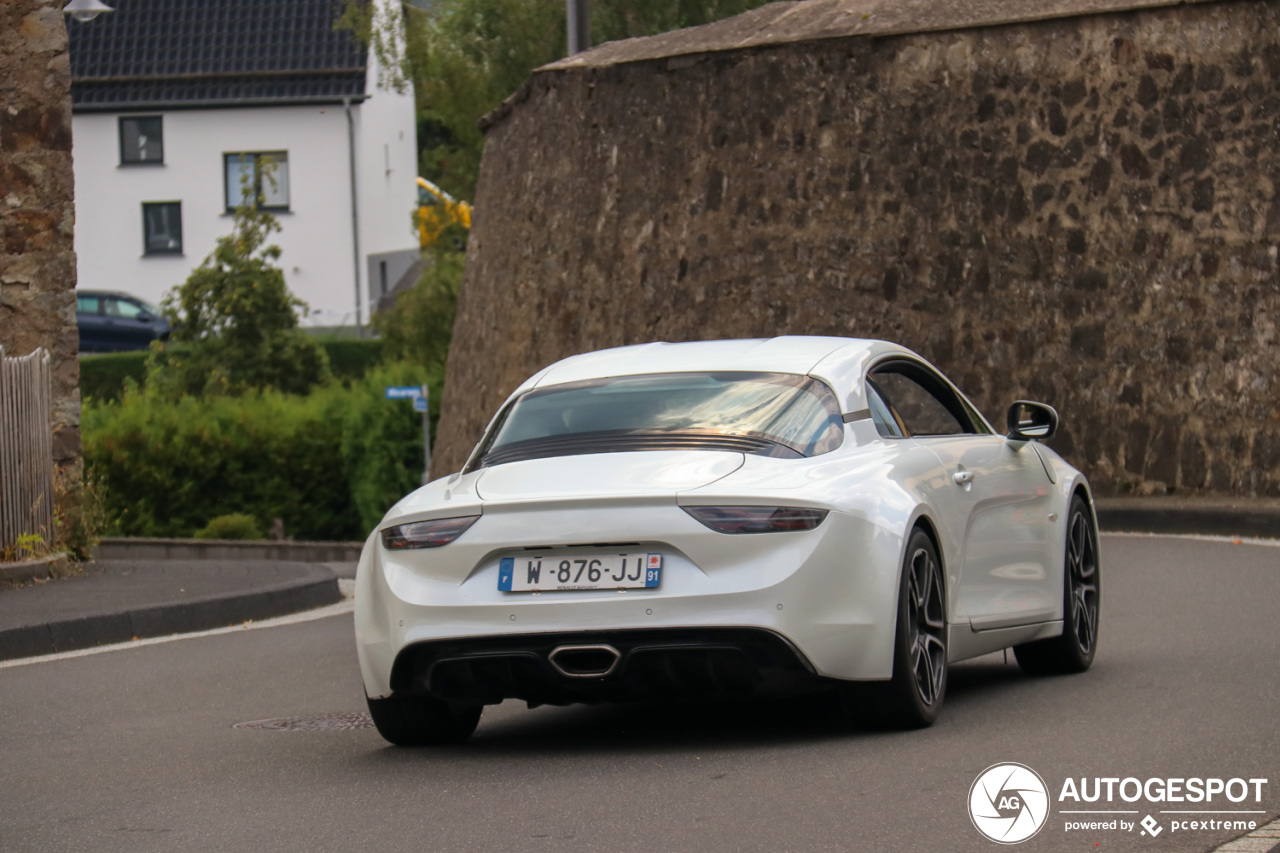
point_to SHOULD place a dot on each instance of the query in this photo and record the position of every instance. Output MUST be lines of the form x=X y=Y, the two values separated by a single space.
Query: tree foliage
x=419 y=326
x=465 y=57
x=235 y=322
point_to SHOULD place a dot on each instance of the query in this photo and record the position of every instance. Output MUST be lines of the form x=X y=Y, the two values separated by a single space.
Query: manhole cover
x=312 y=723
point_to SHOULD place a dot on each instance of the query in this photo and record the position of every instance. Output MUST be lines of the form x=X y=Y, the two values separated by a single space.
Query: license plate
x=551 y=573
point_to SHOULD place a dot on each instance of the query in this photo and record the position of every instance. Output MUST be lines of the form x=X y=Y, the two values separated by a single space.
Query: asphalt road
x=135 y=750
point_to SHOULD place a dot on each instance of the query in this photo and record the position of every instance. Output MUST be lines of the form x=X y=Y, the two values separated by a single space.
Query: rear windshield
x=772 y=414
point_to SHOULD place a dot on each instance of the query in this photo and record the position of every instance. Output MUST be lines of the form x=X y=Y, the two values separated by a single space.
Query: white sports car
x=728 y=518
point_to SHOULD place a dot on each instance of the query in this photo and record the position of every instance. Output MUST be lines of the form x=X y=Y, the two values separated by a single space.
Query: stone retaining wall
x=37 y=259
x=1082 y=211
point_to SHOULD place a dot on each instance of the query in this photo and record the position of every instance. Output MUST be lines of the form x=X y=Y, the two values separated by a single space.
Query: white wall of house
x=386 y=143
x=316 y=236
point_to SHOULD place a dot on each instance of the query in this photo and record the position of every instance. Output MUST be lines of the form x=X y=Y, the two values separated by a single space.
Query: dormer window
x=141 y=140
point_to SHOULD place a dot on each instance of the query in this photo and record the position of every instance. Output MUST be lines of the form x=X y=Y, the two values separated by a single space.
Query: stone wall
x=1081 y=210
x=37 y=261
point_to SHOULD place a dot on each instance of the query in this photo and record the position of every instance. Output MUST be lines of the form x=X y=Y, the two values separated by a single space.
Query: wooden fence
x=26 y=448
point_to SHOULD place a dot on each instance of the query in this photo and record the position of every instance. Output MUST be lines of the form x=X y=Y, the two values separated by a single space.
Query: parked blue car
x=114 y=322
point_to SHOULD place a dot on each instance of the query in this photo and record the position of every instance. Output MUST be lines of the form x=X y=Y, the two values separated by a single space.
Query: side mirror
x=144 y=317
x=1028 y=420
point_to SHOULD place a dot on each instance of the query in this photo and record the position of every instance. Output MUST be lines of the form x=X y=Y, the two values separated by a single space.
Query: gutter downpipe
x=355 y=212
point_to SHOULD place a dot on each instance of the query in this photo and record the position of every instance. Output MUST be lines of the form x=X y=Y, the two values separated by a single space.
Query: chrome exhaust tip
x=593 y=661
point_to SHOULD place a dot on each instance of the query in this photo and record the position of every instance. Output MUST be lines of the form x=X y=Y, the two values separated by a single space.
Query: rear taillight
x=757 y=519
x=426 y=534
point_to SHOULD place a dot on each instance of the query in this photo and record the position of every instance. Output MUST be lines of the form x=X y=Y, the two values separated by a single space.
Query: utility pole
x=579 y=13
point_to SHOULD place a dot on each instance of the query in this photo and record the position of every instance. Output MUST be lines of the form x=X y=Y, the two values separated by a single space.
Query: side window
x=886 y=423
x=87 y=304
x=924 y=405
x=126 y=308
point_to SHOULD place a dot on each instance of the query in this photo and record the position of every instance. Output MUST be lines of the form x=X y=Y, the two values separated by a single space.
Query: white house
x=174 y=100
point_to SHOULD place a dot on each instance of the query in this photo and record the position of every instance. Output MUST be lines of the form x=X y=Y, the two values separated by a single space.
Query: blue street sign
x=404 y=392
x=418 y=394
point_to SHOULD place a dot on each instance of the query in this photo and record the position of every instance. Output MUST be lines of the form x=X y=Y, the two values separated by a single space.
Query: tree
x=420 y=325
x=235 y=322
x=465 y=57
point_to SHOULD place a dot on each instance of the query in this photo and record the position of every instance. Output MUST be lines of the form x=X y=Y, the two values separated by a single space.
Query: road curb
x=129 y=548
x=1256 y=521
x=318 y=589
x=1264 y=839
x=28 y=570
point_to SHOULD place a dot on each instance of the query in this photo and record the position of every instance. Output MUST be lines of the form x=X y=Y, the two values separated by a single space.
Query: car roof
x=119 y=293
x=839 y=361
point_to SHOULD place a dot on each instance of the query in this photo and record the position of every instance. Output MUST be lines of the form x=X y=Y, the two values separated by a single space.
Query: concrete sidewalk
x=112 y=601
x=151 y=588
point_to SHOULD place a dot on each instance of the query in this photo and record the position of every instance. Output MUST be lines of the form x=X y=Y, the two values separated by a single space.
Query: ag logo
x=1008 y=803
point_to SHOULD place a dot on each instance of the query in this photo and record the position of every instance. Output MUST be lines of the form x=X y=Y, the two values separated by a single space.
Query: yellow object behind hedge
x=437 y=210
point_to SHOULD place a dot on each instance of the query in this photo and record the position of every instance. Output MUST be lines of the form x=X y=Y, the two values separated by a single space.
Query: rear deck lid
x=645 y=474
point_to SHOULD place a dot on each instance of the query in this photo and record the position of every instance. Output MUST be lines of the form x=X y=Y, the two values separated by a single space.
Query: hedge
x=352 y=358
x=328 y=465
x=102 y=376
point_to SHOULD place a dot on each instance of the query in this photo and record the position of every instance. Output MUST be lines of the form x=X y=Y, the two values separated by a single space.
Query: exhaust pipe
x=595 y=661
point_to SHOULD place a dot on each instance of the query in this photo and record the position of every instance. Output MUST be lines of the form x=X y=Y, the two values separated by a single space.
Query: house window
x=262 y=176
x=141 y=140
x=162 y=228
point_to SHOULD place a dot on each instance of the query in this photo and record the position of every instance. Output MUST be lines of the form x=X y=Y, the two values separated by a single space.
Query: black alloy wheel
x=913 y=698
x=1074 y=650
x=927 y=625
x=1082 y=568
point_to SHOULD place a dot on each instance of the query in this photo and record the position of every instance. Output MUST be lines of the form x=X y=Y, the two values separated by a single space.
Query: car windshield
x=772 y=414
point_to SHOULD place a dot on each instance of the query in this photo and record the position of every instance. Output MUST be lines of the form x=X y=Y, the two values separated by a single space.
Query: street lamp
x=579 y=15
x=85 y=10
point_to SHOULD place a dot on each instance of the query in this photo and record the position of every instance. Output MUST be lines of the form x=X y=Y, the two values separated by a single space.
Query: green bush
x=381 y=446
x=328 y=464
x=236 y=526
x=351 y=358
x=102 y=376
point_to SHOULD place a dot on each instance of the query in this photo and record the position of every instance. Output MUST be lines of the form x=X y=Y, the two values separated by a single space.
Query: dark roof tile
x=172 y=53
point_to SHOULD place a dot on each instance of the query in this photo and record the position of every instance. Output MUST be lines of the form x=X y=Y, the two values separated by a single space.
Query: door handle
x=962 y=478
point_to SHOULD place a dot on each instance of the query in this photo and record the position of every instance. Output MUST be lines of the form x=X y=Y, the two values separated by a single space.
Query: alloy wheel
x=1082 y=566
x=927 y=626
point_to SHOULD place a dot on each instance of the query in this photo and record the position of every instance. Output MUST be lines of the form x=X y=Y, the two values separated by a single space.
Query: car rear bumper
x=603 y=666
x=829 y=593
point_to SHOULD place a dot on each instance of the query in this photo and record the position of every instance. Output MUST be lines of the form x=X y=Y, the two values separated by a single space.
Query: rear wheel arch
x=925 y=524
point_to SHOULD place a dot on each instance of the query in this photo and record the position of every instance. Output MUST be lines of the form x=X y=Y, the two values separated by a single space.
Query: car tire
x=913 y=697
x=1074 y=649
x=417 y=720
